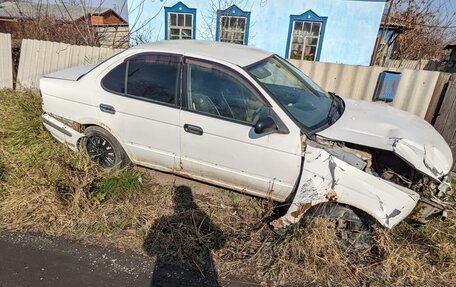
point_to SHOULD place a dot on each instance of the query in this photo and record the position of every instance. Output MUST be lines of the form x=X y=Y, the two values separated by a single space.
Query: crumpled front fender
x=425 y=158
x=326 y=178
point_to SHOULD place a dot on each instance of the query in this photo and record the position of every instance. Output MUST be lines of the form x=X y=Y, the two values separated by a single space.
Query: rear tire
x=100 y=146
x=353 y=227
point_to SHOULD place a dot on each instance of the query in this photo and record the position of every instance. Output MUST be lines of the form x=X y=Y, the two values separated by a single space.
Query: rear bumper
x=61 y=132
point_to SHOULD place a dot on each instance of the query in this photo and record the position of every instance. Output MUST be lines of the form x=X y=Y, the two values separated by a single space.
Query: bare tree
x=141 y=30
x=67 y=21
x=429 y=26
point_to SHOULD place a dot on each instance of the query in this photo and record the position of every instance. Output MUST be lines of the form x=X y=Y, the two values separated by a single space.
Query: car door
x=140 y=106
x=218 y=141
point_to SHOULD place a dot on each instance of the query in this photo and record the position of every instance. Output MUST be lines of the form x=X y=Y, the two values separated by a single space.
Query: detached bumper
x=61 y=132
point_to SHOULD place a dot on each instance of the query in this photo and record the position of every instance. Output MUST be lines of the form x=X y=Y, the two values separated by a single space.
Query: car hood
x=383 y=127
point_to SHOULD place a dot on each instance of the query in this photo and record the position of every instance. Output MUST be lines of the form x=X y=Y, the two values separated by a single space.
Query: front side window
x=153 y=78
x=301 y=97
x=305 y=36
x=180 y=22
x=233 y=25
x=215 y=92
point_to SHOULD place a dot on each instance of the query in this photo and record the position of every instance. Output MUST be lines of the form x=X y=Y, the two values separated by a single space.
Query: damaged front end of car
x=433 y=190
x=377 y=182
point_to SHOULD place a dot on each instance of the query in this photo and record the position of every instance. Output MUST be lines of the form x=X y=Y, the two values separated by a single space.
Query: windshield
x=297 y=93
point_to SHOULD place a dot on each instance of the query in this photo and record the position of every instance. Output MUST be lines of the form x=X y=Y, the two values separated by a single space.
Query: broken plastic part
x=357 y=158
x=427 y=210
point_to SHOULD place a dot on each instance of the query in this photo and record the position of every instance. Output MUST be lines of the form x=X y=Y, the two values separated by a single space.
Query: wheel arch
x=107 y=129
x=325 y=206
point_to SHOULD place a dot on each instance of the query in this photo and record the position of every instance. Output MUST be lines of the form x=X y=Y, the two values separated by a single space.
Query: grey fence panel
x=414 y=92
x=6 y=62
x=39 y=58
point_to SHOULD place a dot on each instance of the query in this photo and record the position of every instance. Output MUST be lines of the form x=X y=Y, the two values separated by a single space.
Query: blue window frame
x=305 y=36
x=233 y=25
x=180 y=22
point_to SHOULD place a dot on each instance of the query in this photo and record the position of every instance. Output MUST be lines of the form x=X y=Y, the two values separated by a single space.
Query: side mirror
x=265 y=125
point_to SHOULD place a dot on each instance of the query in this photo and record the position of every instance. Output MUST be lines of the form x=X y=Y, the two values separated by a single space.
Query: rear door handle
x=107 y=109
x=193 y=129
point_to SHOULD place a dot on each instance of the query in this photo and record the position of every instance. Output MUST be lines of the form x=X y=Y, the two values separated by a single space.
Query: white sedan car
x=246 y=119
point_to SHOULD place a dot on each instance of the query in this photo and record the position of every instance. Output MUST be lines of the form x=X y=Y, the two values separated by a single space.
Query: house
x=63 y=23
x=387 y=35
x=337 y=31
x=451 y=65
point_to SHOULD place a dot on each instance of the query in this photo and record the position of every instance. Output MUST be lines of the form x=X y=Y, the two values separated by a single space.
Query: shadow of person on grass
x=182 y=244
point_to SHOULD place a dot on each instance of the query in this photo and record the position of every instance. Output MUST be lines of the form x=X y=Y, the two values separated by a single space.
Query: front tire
x=100 y=146
x=353 y=227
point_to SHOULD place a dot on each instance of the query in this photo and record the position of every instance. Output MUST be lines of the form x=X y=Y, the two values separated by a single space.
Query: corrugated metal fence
x=414 y=92
x=39 y=58
x=6 y=63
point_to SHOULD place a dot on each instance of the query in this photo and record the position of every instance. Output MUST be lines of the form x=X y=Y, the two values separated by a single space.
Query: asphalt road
x=33 y=260
x=30 y=260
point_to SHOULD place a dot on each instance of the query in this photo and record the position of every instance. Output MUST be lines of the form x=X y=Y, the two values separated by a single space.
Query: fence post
x=446 y=120
x=437 y=97
x=6 y=62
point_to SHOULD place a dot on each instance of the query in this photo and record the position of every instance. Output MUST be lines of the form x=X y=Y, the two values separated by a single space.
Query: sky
x=449 y=7
x=120 y=6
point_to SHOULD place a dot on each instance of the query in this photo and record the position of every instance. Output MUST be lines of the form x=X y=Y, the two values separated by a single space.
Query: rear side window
x=153 y=78
x=114 y=81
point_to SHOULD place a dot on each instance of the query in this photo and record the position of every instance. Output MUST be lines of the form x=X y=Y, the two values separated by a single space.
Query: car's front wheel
x=353 y=226
x=101 y=147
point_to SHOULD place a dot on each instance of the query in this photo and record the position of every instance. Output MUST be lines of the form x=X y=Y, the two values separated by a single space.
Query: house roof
x=65 y=13
x=233 y=53
x=393 y=25
x=451 y=45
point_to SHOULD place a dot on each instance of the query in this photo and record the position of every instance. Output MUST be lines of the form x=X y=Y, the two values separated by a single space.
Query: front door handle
x=193 y=129
x=107 y=109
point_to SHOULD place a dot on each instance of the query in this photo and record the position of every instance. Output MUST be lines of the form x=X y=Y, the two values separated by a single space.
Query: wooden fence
x=445 y=121
x=430 y=65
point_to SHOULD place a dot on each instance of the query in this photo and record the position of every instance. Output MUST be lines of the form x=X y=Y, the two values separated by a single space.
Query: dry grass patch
x=46 y=188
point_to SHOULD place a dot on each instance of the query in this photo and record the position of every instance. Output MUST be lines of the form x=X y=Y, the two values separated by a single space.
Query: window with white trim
x=233 y=25
x=180 y=26
x=305 y=40
x=233 y=29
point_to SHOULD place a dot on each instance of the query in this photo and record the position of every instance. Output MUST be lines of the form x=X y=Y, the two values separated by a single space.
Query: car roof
x=233 y=53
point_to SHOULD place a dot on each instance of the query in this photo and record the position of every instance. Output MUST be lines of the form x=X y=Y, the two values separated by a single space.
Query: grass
x=46 y=188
